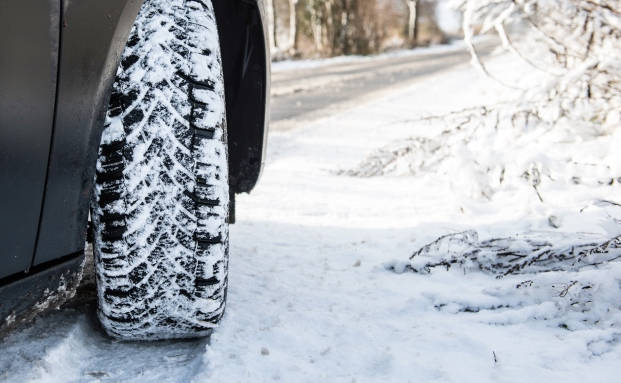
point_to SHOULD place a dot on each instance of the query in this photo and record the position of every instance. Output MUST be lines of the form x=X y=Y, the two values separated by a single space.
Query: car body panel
x=94 y=33
x=29 y=36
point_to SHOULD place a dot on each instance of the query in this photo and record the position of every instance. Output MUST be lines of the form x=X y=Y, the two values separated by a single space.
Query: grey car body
x=58 y=60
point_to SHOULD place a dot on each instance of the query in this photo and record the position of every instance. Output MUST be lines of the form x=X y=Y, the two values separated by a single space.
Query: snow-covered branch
x=578 y=41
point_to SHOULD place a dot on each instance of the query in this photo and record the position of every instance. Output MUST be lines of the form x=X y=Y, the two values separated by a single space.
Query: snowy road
x=310 y=297
x=302 y=92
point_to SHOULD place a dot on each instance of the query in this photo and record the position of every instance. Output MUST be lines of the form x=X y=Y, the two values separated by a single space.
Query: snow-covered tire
x=160 y=205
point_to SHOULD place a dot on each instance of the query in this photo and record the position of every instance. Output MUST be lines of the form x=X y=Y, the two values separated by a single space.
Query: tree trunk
x=344 y=28
x=317 y=29
x=329 y=26
x=413 y=22
x=293 y=26
x=275 y=12
x=271 y=22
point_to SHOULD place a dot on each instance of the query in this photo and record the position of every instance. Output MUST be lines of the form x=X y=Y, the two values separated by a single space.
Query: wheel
x=161 y=195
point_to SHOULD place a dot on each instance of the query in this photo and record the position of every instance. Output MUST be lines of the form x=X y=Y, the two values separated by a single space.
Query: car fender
x=93 y=36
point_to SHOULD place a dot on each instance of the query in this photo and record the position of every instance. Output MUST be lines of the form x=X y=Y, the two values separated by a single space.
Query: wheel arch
x=246 y=63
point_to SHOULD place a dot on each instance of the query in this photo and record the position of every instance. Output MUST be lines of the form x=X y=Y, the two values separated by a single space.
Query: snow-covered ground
x=319 y=284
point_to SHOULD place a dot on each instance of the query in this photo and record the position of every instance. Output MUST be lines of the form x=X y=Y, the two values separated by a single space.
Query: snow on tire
x=160 y=204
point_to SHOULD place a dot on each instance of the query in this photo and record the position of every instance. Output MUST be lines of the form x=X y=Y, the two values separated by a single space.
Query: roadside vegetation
x=552 y=152
x=326 y=28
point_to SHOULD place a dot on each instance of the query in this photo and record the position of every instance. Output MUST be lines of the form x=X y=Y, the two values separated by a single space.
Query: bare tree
x=292 y=44
x=577 y=42
x=413 y=6
x=271 y=17
x=317 y=27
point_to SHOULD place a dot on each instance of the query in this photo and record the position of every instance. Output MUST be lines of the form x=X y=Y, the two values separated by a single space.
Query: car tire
x=160 y=205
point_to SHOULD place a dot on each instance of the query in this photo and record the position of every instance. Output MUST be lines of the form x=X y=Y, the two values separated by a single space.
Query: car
x=141 y=120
